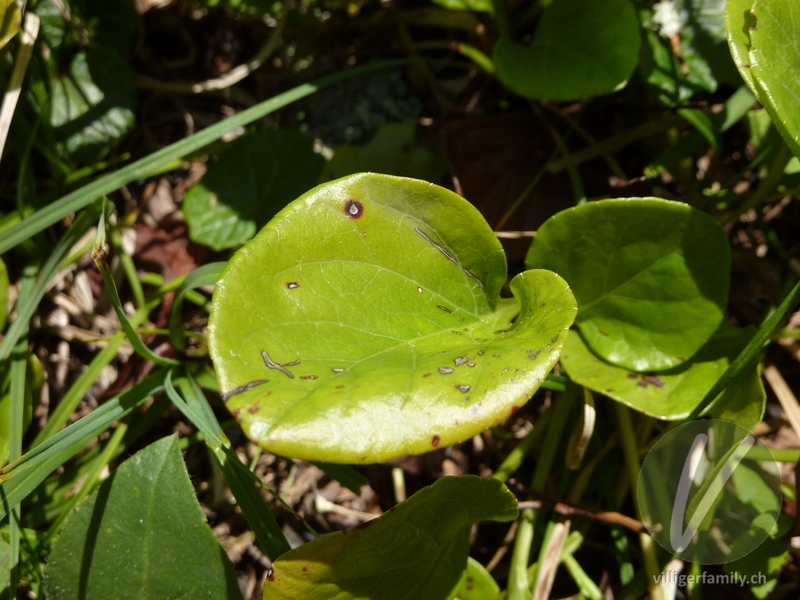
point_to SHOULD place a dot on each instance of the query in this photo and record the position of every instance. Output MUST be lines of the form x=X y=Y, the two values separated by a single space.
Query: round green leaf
x=775 y=62
x=142 y=535
x=650 y=277
x=674 y=394
x=581 y=48
x=364 y=322
x=476 y=583
x=253 y=179
x=416 y=550
x=769 y=58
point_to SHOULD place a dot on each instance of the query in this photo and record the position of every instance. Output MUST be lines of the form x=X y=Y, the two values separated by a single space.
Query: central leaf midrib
x=284 y=412
x=584 y=308
x=387 y=270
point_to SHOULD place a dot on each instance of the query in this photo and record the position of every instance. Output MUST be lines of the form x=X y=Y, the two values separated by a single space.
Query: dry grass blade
x=30 y=31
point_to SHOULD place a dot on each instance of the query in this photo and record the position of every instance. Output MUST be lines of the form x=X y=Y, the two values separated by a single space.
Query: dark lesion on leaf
x=353 y=209
x=243 y=388
x=271 y=364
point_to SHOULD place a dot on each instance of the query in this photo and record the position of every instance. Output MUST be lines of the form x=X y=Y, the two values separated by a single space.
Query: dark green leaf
x=252 y=180
x=141 y=535
x=674 y=393
x=650 y=277
x=416 y=550
x=374 y=301
x=91 y=108
x=580 y=49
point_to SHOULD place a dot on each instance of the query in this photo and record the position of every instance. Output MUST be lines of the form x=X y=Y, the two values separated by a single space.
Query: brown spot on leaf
x=308 y=377
x=353 y=209
x=292 y=285
x=435 y=441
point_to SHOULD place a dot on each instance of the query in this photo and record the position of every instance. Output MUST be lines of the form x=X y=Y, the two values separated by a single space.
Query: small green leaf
x=650 y=277
x=364 y=322
x=416 y=550
x=252 y=180
x=10 y=19
x=476 y=583
x=141 y=535
x=673 y=394
x=91 y=108
x=4 y=284
x=580 y=49
x=393 y=150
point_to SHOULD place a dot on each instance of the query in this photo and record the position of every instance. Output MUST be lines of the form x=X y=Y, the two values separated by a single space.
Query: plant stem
x=518 y=587
x=631 y=451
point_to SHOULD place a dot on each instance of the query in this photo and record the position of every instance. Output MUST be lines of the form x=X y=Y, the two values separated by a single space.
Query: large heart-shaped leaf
x=764 y=38
x=253 y=179
x=364 y=322
x=141 y=535
x=674 y=394
x=580 y=49
x=416 y=550
x=650 y=277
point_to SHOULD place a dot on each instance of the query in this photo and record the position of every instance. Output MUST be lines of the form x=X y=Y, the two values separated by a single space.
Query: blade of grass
x=49 y=269
x=518 y=586
x=78 y=390
x=21 y=477
x=143 y=167
x=109 y=450
x=126 y=260
x=19 y=363
x=631 y=452
x=100 y=257
x=205 y=275
x=238 y=476
x=751 y=352
x=30 y=31
x=53 y=496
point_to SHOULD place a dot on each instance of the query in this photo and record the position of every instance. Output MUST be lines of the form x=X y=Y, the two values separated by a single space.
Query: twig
x=230 y=78
x=30 y=30
x=612 y=517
